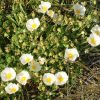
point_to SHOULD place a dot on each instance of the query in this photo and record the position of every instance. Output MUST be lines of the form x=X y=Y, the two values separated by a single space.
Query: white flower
x=48 y=79
x=11 y=88
x=61 y=78
x=23 y=77
x=26 y=58
x=96 y=30
x=50 y=13
x=34 y=66
x=41 y=60
x=79 y=9
x=32 y=24
x=93 y=40
x=44 y=6
x=71 y=54
x=8 y=74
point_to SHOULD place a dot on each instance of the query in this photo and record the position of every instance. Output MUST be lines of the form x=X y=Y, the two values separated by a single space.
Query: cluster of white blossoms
x=44 y=8
x=33 y=65
x=33 y=24
x=59 y=78
x=9 y=74
x=94 y=38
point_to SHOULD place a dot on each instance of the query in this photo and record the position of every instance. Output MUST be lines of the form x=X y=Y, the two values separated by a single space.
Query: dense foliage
x=49 y=40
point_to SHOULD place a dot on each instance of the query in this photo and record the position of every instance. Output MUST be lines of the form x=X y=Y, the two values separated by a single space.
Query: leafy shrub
x=49 y=40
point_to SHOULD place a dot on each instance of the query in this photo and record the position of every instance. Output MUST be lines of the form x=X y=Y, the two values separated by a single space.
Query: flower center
x=33 y=67
x=27 y=60
x=13 y=90
x=23 y=79
x=97 y=32
x=44 y=8
x=50 y=13
x=70 y=55
x=49 y=80
x=60 y=78
x=34 y=26
x=93 y=41
x=77 y=11
x=8 y=76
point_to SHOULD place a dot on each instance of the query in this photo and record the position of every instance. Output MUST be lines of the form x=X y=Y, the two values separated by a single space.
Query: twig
x=86 y=67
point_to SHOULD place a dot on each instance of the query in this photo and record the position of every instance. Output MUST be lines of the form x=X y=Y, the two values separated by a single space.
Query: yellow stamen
x=93 y=41
x=23 y=79
x=77 y=11
x=13 y=90
x=70 y=55
x=50 y=13
x=97 y=32
x=8 y=76
x=44 y=8
x=60 y=78
x=27 y=60
x=49 y=80
x=33 y=67
x=34 y=26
